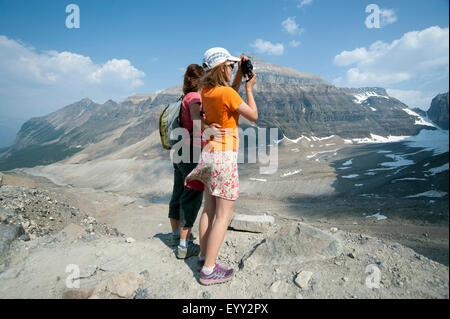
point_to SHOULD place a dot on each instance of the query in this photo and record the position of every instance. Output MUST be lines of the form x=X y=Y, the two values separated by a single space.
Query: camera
x=247 y=69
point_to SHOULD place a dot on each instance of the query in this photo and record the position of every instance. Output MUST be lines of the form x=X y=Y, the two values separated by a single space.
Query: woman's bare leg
x=224 y=211
x=206 y=220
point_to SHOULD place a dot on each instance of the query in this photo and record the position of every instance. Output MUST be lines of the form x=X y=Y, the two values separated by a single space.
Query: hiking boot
x=191 y=250
x=219 y=275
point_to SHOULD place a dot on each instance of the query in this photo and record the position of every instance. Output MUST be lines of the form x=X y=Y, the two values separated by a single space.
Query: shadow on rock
x=191 y=262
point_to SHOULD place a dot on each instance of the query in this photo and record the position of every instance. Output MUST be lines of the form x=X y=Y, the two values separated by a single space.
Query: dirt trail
x=336 y=258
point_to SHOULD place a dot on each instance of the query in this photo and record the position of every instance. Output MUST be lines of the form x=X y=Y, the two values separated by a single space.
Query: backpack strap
x=179 y=115
x=181 y=107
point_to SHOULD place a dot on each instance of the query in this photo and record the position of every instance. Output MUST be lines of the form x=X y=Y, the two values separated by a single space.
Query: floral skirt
x=219 y=172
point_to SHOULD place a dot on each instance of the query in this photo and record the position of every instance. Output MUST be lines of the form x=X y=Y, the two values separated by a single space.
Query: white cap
x=215 y=56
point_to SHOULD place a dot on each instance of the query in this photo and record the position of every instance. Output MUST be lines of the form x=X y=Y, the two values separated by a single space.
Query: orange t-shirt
x=220 y=104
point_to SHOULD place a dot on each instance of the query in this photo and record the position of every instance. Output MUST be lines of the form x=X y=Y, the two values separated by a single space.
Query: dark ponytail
x=193 y=78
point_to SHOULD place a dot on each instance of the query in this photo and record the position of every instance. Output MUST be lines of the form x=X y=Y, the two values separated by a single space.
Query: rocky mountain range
x=438 y=111
x=297 y=103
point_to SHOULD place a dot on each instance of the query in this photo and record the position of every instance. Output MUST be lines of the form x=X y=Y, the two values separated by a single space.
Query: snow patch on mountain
x=291 y=173
x=374 y=139
x=362 y=97
x=419 y=119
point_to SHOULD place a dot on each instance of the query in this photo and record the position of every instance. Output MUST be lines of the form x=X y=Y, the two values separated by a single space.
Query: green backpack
x=169 y=121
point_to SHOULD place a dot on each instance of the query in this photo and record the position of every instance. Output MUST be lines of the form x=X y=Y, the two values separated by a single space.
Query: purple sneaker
x=219 y=275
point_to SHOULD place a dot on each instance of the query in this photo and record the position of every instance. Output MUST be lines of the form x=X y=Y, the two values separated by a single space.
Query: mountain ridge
x=297 y=103
x=438 y=111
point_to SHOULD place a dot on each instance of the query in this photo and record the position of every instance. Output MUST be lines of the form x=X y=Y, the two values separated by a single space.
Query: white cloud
x=387 y=16
x=356 y=77
x=267 y=47
x=291 y=27
x=304 y=3
x=118 y=71
x=47 y=79
x=417 y=55
x=294 y=43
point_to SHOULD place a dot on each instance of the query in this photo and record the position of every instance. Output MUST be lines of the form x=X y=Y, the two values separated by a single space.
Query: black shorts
x=185 y=202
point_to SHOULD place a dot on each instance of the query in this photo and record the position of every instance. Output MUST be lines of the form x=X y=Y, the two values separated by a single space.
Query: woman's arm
x=250 y=110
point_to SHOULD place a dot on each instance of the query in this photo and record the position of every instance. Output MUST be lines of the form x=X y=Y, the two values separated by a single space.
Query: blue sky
x=140 y=46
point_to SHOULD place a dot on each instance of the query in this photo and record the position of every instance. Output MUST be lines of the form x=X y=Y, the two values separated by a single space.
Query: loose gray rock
x=206 y=295
x=88 y=271
x=78 y=293
x=5 y=214
x=25 y=237
x=302 y=279
x=7 y=235
x=252 y=223
x=141 y=294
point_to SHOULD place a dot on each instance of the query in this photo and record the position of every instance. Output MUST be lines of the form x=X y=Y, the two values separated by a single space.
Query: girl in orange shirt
x=217 y=168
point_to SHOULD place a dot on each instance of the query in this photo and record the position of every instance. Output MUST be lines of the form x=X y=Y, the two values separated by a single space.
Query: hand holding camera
x=247 y=68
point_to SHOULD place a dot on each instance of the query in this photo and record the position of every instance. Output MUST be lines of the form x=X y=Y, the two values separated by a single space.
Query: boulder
x=294 y=243
x=252 y=223
x=124 y=285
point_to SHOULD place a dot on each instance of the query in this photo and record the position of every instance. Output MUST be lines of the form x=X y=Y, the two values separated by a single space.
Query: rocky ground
x=39 y=213
x=117 y=247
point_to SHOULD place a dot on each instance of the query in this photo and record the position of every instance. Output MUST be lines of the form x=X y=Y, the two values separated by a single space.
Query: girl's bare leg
x=224 y=212
x=206 y=220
